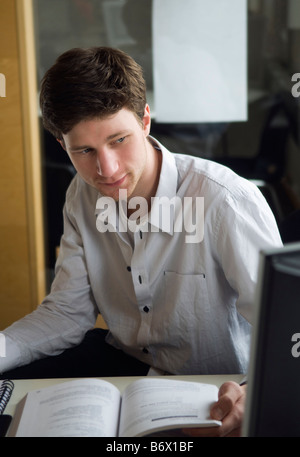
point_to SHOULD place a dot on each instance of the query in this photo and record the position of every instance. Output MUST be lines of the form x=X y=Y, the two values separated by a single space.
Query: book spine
x=6 y=389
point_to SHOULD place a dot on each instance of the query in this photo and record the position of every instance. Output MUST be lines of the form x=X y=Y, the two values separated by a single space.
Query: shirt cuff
x=11 y=356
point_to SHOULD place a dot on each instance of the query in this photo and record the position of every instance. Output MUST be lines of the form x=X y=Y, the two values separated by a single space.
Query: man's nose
x=107 y=163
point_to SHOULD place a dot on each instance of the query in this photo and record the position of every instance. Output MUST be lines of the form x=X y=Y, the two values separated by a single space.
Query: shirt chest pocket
x=186 y=296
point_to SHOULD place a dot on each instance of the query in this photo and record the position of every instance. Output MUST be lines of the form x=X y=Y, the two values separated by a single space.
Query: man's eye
x=86 y=151
x=120 y=140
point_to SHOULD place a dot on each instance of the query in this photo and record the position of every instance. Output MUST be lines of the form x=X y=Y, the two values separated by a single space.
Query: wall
x=21 y=234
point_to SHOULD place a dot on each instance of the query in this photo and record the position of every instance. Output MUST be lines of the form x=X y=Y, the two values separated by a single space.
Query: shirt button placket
x=139 y=271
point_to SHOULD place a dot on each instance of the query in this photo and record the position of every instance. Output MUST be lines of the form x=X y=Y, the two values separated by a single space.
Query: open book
x=94 y=407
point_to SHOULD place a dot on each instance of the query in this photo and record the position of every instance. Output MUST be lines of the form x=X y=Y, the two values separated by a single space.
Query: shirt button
x=145 y=350
x=129 y=268
x=146 y=309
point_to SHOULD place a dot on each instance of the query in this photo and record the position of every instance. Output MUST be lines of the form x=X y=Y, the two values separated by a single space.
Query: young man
x=164 y=246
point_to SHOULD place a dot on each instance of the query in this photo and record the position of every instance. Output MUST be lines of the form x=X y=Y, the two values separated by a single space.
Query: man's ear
x=147 y=120
x=62 y=143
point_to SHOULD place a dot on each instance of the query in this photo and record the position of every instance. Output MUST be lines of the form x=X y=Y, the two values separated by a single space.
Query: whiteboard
x=200 y=60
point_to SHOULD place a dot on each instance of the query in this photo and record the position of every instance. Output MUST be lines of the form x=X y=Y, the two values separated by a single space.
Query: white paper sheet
x=200 y=60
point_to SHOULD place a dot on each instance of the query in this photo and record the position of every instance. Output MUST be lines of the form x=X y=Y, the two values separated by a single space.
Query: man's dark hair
x=90 y=83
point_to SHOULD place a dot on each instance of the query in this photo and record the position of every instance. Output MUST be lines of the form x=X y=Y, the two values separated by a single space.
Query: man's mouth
x=117 y=183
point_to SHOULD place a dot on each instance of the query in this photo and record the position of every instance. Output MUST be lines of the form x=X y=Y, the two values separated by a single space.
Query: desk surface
x=22 y=387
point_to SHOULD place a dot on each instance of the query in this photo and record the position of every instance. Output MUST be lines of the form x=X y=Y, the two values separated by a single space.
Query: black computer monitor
x=273 y=394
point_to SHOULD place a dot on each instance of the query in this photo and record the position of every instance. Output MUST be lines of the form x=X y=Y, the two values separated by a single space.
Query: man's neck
x=153 y=171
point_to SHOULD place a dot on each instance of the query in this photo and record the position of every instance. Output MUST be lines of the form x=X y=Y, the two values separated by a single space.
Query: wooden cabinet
x=22 y=265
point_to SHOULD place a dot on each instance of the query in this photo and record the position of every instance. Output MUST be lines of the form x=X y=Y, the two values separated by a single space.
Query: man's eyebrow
x=114 y=135
x=78 y=148
x=108 y=138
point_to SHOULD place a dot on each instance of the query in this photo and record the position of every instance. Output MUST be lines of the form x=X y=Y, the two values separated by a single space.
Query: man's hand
x=229 y=409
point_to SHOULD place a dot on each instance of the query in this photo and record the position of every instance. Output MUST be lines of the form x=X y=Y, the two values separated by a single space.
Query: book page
x=150 y=405
x=78 y=408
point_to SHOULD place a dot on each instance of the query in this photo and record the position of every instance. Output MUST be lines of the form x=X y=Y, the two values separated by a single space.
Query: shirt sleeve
x=246 y=226
x=64 y=316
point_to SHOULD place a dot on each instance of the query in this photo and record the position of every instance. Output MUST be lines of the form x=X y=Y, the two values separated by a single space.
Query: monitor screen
x=273 y=393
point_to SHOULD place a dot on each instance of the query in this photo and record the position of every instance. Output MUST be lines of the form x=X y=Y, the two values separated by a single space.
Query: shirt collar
x=166 y=191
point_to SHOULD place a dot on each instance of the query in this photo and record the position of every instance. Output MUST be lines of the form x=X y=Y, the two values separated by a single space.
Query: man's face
x=113 y=153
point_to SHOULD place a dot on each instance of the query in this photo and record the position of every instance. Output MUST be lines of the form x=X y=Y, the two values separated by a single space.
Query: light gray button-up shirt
x=183 y=305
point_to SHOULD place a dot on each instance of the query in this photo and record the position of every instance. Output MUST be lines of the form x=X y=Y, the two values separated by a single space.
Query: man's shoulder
x=214 y=181
x=206 y=171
